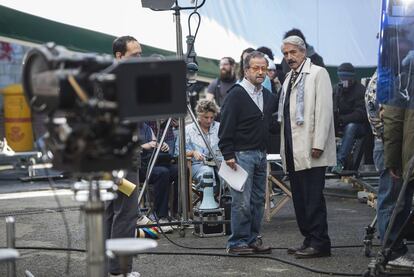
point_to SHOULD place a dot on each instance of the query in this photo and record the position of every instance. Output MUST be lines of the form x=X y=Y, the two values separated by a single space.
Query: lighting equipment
x=181 y=122
x=158 y=4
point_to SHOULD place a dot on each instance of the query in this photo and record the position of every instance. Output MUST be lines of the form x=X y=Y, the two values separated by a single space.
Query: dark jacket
x=349 y=105
x=243 y=126
x=398 y=138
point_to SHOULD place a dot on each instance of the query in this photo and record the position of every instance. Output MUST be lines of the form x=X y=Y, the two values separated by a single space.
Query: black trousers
x=121 y=216
x=310 y=207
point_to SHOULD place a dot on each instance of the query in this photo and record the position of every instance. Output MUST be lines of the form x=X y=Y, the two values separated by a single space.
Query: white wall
x=340 y=30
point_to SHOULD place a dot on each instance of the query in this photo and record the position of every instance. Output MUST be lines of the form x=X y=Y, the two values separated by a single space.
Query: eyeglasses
x=257 y=68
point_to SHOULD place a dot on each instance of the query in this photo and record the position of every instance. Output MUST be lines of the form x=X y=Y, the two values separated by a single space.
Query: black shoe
x=311 y=252
x=241 y=250
x=292 y=250
x=259 y=248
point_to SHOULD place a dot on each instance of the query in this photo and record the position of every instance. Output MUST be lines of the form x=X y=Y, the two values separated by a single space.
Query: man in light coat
x=307 y=144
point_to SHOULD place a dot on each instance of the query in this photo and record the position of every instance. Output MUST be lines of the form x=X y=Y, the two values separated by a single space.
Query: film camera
x=94 y=103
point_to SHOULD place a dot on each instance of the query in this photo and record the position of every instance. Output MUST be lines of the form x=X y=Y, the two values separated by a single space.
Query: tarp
x=339 y=30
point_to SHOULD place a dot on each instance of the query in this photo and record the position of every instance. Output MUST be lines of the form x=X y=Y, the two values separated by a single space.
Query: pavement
x=40 y=223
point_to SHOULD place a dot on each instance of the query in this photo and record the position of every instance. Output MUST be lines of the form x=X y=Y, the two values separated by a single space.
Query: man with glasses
x=307 y=144
x=243 y=133
x=218 y=88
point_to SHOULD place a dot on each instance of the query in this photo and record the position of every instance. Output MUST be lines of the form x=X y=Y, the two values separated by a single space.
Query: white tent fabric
x=340 y=30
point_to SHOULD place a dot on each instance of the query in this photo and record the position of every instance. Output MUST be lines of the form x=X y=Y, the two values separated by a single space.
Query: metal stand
x=122 y=248
x=11 y=244
x=10 y=254
x=369 y=236
x=90 y=193
x=183 y=185
x=377 y=267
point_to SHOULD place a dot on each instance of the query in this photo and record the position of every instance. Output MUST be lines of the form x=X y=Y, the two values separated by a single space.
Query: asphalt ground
x=39 y=224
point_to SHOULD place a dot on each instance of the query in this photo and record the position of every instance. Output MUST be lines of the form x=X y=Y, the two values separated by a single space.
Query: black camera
x=93 y=103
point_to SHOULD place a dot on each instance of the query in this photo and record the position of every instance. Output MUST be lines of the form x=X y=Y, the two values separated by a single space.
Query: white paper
x=235 y=178
x=273 y=157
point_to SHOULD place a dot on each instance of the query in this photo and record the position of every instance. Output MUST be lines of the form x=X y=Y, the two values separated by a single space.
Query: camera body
x=94 y=103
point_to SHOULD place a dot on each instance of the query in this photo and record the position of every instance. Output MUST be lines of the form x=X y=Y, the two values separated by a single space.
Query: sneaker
x=338 y=168
x=131 y=274
x=146 y=232
x=166 y=229
x=144 y=220
x=403 y=261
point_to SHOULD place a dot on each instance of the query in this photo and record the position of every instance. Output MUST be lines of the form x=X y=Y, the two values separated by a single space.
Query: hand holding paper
x=235 y=178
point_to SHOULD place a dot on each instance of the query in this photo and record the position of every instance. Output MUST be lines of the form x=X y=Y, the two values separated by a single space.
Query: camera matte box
x=149 y=89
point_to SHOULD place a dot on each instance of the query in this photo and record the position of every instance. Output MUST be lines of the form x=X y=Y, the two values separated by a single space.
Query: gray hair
x=294 y=40
x=253 y=55
x=205 y=106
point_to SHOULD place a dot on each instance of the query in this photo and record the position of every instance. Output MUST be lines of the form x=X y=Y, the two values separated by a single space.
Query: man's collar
x=301 y=67
x=250 y=87
x=306 y=66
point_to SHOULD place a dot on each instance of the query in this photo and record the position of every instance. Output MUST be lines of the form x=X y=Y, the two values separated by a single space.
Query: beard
x=227 y=76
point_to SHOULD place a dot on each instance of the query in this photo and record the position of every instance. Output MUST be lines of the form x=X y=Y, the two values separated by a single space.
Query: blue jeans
x=388 y=191
x=247 y=207
x=351 y=132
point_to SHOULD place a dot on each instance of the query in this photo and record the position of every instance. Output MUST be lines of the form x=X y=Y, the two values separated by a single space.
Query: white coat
x=317 y=131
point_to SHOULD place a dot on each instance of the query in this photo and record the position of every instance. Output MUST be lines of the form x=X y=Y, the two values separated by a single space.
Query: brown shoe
x=292 y=250
x=311 y=252
x=241 y=250
x=259 y=248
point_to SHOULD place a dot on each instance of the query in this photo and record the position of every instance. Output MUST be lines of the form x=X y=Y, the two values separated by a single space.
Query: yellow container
x=17 y=119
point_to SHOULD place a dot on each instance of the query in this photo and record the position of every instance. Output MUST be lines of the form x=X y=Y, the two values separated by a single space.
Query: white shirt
x=255 y=94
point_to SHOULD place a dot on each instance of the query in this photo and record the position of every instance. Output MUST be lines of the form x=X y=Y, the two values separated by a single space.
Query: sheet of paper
x=235 y=179
x=273 y=157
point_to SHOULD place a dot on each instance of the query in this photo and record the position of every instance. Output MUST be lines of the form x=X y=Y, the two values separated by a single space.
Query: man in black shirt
x=218 y=88
x=121 y=214
x=246 y=116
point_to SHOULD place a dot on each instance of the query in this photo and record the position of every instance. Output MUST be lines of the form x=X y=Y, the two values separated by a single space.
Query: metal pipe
x=95 y=240
x=11 y=243
x=182 y=174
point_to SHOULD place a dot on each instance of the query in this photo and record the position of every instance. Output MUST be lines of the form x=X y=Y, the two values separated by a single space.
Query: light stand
x=181 y=122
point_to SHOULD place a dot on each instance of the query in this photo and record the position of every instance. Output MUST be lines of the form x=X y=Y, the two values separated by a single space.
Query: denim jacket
x=194 y=142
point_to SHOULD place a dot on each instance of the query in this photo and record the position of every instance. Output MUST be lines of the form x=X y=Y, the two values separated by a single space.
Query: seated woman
x=202 y=160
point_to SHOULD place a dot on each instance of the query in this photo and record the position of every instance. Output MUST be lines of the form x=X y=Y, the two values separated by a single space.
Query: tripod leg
x=369 y=235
